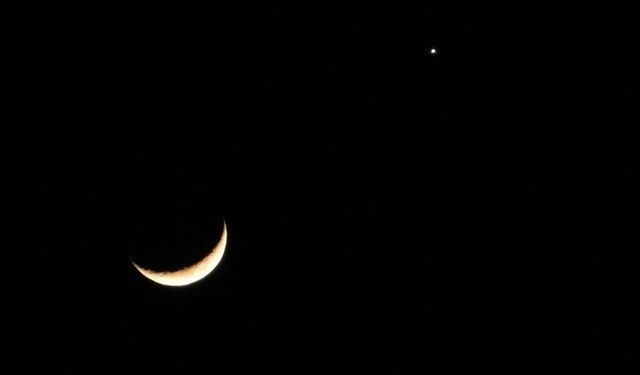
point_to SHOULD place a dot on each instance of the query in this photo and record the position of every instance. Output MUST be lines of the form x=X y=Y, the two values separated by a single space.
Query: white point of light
x=433 y=51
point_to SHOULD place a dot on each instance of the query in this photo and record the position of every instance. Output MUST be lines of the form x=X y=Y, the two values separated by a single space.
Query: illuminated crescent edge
x=189 y=274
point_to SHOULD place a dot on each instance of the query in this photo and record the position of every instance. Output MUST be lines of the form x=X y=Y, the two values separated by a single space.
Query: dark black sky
x=388 y=209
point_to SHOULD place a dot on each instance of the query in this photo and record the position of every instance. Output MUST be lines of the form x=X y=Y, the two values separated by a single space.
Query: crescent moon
x=189 y=274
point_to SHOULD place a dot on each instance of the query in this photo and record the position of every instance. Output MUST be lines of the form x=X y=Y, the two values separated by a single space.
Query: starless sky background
x=388 y=209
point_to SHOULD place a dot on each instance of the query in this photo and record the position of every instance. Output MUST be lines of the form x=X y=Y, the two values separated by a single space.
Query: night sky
x=389 y=210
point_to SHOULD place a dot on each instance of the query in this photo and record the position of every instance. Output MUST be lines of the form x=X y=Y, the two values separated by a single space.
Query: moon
x=189 y=274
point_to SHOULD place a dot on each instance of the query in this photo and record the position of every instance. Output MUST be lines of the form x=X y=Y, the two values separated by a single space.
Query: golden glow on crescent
x=190 y=274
